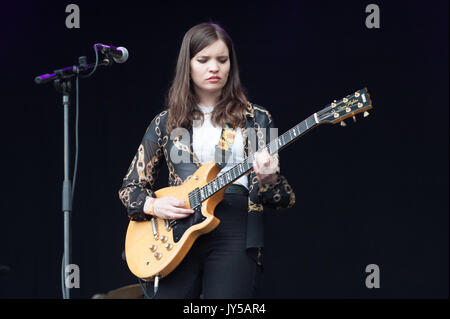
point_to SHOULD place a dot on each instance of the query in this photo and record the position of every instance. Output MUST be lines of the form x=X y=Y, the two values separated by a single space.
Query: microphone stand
x=62 y=83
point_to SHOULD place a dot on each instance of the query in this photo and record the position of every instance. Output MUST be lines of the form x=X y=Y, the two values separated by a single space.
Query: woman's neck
x=208 y=98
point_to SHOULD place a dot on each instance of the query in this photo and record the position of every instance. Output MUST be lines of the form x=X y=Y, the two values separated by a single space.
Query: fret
x=316 y=119
x=301 y=128
x=308 y=124
x=289 y=138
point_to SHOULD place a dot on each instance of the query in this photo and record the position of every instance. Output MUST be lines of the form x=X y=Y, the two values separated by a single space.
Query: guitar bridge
x=172 y=223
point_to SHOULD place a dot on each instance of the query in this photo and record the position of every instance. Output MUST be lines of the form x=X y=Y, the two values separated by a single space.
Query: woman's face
x=210 y=67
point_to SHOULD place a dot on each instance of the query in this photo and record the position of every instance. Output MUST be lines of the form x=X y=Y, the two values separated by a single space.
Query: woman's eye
x=204 y=61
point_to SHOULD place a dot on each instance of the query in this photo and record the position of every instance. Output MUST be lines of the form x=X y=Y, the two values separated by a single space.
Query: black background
x=374 y=192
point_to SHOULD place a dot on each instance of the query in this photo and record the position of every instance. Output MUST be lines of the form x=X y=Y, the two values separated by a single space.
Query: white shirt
x=206 y=137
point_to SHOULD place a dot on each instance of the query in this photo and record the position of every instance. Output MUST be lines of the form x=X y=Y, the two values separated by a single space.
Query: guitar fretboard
x=221 y=181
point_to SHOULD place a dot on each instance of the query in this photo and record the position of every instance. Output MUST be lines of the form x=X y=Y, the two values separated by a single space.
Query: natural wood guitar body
x=143 y=259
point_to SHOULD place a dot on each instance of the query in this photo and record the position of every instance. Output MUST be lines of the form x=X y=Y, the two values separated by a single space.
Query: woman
x=205 y=102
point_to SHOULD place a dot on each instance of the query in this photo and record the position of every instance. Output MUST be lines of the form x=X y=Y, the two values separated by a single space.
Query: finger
x=170 y=213
x=263 y=158
x=183 y=211
x=178 y=202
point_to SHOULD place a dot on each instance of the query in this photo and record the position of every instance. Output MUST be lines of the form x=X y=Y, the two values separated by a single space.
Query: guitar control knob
x=158 y=255
x=366 y=114
x=343 y=124
x=152 y=247
x=168 y=246
x=164 y=239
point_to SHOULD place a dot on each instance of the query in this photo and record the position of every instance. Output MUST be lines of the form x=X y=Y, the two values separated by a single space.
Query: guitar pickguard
x=180 y=226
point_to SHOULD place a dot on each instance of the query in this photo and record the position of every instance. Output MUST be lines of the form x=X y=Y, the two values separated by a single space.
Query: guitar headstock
x=349 y=106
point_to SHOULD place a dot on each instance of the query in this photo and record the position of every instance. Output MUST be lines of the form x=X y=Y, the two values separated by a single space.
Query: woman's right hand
x=170 y=207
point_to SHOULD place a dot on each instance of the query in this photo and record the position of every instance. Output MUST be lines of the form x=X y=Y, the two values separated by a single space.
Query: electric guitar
x=156 y=247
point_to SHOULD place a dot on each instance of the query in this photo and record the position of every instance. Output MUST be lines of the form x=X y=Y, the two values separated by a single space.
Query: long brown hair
x=181 y=99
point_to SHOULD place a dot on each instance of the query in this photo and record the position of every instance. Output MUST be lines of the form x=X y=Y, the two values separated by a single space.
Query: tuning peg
x=366 y=114
x=354 y=119
x=343 y=124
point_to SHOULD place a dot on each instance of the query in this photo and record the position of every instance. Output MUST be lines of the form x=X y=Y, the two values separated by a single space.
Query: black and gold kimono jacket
x=156 y=145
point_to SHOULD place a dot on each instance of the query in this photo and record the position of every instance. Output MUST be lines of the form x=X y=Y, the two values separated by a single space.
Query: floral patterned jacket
x=139 y=182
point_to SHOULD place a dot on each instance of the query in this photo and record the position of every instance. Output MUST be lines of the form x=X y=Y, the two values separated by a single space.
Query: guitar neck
x=242 y=168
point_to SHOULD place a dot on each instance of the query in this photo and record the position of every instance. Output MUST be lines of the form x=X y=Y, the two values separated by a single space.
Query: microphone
x=120 y=54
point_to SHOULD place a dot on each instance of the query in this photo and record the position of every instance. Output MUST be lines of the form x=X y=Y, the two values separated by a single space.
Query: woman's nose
x=213 y=66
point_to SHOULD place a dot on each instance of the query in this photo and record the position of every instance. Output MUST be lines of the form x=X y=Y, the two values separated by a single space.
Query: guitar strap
x=223 y=148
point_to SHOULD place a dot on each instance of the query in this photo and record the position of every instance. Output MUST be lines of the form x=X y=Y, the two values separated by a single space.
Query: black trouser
x=218 y=264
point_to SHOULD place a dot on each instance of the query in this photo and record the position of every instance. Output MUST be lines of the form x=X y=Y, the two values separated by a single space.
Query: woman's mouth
x=214 y=79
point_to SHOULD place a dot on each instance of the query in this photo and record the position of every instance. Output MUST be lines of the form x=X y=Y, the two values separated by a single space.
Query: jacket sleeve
x=139 y=182
x=279 y=195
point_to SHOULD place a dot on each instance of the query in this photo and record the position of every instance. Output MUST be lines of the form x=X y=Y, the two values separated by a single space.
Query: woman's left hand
x=265 y=167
